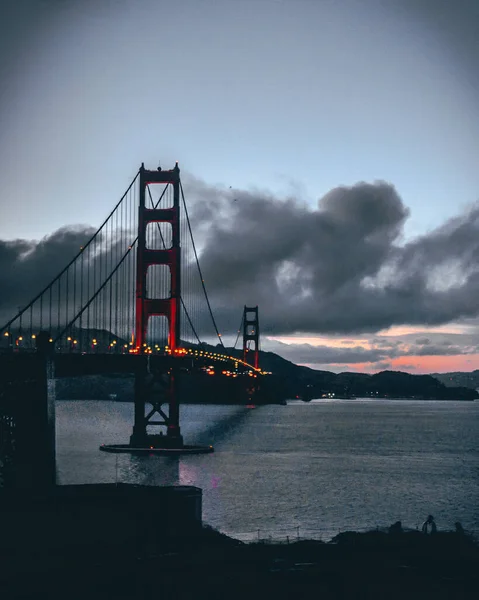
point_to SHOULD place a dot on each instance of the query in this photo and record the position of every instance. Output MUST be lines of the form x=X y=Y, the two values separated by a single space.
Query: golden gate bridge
x=133 y=299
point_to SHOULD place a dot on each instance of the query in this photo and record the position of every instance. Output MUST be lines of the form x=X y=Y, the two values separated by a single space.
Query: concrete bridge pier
x=157 y=388
x=27 y=422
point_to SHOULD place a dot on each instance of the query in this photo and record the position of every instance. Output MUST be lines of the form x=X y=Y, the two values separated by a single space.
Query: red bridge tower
x=148 y=307
x=168 y=307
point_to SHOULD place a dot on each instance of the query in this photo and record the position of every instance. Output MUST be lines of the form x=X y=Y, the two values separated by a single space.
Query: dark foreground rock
x=212 y=566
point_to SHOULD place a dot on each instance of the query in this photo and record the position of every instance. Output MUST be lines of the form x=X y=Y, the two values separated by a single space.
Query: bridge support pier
x=156 y=389
x=27 y=422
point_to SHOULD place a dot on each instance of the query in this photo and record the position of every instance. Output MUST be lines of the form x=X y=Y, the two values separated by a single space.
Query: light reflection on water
x=320 y=466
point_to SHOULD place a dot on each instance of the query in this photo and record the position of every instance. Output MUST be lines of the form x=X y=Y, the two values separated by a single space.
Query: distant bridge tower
x=251 y=334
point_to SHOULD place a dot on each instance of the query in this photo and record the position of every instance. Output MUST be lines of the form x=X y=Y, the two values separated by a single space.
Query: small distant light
x=33 y=336
x=69 y=339
x=20 y=338
x=50 y=340
x=6 y=334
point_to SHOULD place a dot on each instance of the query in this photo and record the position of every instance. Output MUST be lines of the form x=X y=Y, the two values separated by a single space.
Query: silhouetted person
x=395 y=528
x=459 y=528
x=429 y=526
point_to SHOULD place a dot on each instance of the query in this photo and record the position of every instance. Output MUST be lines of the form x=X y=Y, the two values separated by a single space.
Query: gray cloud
x=339 y=268
x=27 y=266
x=308 y=354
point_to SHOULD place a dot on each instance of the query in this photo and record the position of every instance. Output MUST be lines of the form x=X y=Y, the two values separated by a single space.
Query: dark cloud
x=385 y=343
x=26 y=267
x=339 y=268
x=323 y=355
x=431 y=350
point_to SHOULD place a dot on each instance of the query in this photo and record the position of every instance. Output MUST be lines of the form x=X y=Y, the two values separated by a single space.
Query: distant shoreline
x=279 y=403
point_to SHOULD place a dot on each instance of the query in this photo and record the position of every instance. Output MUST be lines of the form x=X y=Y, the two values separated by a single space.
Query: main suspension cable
x=239 y=330
x=82 y=250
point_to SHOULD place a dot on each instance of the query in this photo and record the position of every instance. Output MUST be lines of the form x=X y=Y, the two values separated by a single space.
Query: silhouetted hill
x=468 y=379
x=295 y=380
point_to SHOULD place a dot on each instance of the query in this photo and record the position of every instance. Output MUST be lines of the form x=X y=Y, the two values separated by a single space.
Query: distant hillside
x=290 y=381
x=468 y=379
x=295 y=380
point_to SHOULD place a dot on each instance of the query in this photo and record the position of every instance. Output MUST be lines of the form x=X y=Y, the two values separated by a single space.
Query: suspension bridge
x=132 y=300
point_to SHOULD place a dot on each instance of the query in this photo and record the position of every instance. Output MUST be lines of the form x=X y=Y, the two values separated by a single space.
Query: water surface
x=310 y=468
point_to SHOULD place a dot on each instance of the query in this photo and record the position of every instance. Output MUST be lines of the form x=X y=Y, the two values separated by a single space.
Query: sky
x=328 y=150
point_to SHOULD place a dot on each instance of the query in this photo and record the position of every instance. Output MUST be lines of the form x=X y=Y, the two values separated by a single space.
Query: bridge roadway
x=21 y=365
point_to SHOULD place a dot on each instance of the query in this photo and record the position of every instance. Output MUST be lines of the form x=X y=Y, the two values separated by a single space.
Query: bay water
x=305 y=469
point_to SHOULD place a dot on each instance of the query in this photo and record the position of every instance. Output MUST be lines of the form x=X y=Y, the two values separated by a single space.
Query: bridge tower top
x=251 y=334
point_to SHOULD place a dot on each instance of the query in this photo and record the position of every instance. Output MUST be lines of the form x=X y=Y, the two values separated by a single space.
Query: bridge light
x=20 y=338
x=69 y=339
x=75 y=342
x=94 y=340
x=34 y=337
x=50 y=340
x=6 y=334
